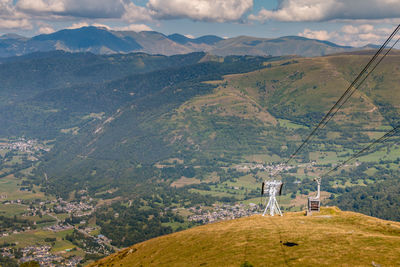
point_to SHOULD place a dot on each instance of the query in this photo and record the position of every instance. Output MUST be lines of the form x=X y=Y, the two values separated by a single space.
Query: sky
x=345 y=22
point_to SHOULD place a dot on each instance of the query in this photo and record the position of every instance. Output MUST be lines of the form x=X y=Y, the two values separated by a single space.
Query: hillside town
x=42 y=255
x=222 y=212
x=24 y=145
x=244 y=167
x=72 y=220
x=75 y=208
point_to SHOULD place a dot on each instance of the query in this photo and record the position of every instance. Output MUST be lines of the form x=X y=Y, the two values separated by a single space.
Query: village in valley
x=38 y=227
x=60 y=223
x=62 y=232
x=56 y=231
x=222 y=212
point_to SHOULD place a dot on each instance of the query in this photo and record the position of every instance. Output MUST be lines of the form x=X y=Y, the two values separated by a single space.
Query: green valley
x=124 y=148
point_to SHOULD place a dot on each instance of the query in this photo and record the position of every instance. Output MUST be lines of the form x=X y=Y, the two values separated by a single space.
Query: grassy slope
x=292 y=91
x=284 y=94
x=331 y=238
x=9 y=186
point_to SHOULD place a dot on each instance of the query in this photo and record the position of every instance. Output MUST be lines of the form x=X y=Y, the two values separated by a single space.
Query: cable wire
x=356 y=155
x=340 y=102
x=362 y=81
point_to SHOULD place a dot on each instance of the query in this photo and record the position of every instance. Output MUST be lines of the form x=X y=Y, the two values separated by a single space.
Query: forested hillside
x=34 y=88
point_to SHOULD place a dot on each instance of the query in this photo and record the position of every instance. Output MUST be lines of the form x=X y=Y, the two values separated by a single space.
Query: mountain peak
x=206 y=39
x=100 y=40
x=179 y=38
x=12 y=36
x=87 y=38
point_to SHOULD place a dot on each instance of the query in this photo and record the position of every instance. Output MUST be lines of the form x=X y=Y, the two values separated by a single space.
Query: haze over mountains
x=102 y=41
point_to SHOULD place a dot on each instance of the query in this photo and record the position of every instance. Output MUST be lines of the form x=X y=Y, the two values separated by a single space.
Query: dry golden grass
x=230 y=101
x=331 y=238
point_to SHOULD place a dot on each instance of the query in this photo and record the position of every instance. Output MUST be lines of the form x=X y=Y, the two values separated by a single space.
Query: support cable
x=362 y=81
x=354 y=86
x=365 y=149
x=347 y=94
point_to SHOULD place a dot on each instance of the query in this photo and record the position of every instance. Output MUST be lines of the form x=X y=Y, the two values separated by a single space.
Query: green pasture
x=291 y=125
x=247 y=182
x=385 y=153
x=12 y=209
x=36 y=237
x=9 y=186
x=212 y=193
x=262 y=158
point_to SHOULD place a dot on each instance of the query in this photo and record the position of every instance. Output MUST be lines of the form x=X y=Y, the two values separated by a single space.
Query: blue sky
x=346 y=22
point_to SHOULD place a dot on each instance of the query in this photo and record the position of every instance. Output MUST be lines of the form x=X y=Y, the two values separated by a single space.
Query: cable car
x=314 y=203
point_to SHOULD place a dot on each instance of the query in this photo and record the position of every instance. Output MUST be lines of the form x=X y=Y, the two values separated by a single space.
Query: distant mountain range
x=102 y=41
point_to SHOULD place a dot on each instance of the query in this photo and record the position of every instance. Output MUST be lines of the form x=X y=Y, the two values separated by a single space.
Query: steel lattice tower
x=272 y=187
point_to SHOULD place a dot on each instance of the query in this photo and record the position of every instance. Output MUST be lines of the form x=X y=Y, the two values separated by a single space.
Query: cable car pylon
x=271 y=188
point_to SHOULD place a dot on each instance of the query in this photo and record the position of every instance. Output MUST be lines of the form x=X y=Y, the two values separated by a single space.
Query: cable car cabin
x=313 y=205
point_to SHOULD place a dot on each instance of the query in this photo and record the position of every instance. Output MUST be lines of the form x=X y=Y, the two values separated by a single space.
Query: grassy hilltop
x=330 y=238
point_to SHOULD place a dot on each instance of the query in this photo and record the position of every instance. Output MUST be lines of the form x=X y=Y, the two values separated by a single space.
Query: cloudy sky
x=346 y=22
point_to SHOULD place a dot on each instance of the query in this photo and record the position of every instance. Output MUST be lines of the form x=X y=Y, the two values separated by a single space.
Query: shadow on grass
x=290 y=244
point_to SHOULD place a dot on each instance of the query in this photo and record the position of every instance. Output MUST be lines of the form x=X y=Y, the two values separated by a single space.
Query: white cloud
x=7 y=9
x=10 y=18
x=40 y=6
x=368 y=37
x=78 y=25
x=320 y=35
x=351 y=35
x=134 y=13
x=325 y=10
x=15 y=24
x=81 y=24
x=90 y=9
x=73 y=8
x=9 y=12
x=350 y=29
x=189 y=36
x=94 y=8
x=366 y=28
x=133 y=27
x=100 y=25
x=200 y=10
x=46 y=30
